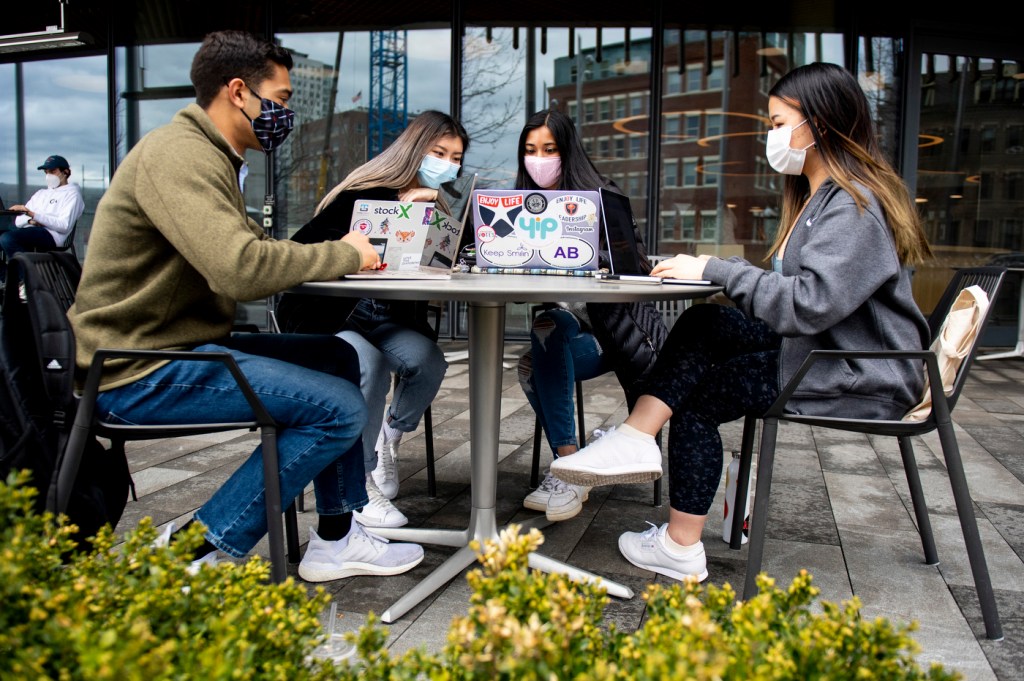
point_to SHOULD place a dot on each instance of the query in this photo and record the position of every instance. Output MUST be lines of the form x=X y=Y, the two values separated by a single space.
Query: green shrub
x=120 y=613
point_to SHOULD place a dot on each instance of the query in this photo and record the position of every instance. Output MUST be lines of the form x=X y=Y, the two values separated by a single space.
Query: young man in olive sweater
x=171 y=252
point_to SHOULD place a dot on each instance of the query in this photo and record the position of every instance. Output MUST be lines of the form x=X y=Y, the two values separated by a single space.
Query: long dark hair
x=397 y=165
x=578 y=171
x=839 y=118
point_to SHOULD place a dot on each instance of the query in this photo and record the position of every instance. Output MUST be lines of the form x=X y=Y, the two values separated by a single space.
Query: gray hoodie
x=841 y=288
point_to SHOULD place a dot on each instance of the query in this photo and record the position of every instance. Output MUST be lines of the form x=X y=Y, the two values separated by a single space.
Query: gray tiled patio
x=840 y=508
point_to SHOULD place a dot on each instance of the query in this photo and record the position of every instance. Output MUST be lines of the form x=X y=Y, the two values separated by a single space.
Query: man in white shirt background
x=49 y=216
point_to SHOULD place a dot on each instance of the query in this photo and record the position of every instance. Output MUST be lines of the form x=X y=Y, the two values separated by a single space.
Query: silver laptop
x=536 y=231
x=418 y=242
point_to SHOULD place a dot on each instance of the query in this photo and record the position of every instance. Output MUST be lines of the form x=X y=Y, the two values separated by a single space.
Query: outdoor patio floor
x=840 y=508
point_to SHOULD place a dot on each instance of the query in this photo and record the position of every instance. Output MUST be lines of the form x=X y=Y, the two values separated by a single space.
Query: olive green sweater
x=172 y=250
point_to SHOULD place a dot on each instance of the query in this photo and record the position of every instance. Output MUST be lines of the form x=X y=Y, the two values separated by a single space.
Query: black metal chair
x=538 y=430
x=988 y=278
x=52 y=279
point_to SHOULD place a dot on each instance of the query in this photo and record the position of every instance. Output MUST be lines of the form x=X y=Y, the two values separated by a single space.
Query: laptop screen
x=623 y=252
x=537 y=229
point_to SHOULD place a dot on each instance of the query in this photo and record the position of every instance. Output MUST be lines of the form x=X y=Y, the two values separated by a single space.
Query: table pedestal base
x=1016 y=352
x=481 y=527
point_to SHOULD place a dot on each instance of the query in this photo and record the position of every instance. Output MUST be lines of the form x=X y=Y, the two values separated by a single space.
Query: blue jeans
x=560 y=354
x=306 y=382
x=23 y=239
x=385 y=346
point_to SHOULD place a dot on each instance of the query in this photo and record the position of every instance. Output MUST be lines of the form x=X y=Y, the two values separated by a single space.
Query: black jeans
x=716 y=365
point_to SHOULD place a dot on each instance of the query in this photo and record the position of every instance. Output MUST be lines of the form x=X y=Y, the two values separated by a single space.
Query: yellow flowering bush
x=120 y=613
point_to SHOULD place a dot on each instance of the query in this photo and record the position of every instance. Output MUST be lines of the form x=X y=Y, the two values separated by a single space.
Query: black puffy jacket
x=630 y=333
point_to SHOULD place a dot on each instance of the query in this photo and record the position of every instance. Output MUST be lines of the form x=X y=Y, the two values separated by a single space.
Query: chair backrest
x=51 y=282
x=69 y=241
x=990 y=279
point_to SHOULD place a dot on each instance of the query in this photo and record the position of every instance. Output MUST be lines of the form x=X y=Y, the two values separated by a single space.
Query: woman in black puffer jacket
x=576 y=341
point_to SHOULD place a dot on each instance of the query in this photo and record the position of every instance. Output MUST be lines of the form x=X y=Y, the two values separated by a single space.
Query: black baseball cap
x=54 y=161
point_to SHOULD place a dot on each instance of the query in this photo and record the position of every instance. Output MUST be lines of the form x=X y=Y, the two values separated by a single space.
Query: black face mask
x=274 y=123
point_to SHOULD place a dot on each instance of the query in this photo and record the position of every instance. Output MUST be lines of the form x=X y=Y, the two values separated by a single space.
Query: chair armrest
x=931 y=364
x=92 y=381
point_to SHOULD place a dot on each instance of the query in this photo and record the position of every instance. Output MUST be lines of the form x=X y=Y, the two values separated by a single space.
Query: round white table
x=487 y=295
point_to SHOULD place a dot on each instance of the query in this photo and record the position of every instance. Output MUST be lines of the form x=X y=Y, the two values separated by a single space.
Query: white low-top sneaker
x=359 y=553
x=565 y=501
x=616 y=458
x=647 y=550
x=385 y=475
x=568 y=503
x=379 y=511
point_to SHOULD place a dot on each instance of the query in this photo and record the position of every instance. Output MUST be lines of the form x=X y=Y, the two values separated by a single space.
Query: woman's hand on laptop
x=418 y=194
x=681 y=267
x=370 y=259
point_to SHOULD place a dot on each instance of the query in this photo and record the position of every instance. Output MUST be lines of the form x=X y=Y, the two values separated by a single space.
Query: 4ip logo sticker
x=363 y=226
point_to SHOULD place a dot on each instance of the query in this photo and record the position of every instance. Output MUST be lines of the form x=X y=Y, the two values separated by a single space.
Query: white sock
x=391 y=434
x=677 y=549
x=629 y=430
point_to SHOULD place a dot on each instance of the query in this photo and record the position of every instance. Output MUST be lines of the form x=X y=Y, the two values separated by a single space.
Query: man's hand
x=418 y=194
x=23 y=209
x=371 y=261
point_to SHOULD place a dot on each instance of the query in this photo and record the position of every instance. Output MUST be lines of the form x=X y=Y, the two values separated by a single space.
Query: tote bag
x=953 y=343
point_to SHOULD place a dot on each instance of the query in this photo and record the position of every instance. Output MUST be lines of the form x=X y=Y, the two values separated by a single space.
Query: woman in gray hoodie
x=839 y=279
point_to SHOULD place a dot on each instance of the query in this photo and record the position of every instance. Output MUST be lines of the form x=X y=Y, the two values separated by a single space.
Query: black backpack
x=37 y=400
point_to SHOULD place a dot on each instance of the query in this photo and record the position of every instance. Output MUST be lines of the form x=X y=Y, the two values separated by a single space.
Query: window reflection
x=59 y=107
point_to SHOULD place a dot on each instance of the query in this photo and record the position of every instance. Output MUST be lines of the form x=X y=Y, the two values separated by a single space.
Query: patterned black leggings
x=716 y=366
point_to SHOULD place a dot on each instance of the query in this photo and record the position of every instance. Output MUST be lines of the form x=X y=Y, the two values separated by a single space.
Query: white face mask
x=52 y=181
x=781 y=156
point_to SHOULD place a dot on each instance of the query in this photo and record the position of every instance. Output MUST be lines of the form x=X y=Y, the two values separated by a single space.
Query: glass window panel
x=969 y=173
x=668 y=226
x=62 y=110
x=717 y=76
x=671 y=172
x=694 y=74
x=710 y=169
x=687 y=226
x=689 y=172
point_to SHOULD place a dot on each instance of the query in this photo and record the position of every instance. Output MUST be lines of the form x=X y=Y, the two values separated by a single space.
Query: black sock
x=203 y=550
x=334 y=527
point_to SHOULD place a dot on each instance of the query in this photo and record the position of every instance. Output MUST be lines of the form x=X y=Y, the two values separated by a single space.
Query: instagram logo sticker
x=363 y=226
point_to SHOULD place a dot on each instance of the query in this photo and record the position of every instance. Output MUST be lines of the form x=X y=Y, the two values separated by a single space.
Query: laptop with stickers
x=536 y=231
x=415 y=240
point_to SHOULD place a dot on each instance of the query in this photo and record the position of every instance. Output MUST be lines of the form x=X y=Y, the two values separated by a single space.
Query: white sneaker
x=359 y=553
x=615 y=458
x=379 y=512
x=164 y=538
x=386 y=472
x=558 y=500
x=210 y=560
x=647 y=550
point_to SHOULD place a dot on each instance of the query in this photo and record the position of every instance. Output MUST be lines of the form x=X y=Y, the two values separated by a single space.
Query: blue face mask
x=436 y=171
x=273 y=124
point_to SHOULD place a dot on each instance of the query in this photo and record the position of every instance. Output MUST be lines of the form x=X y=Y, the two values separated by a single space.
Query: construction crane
x=388 y=112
